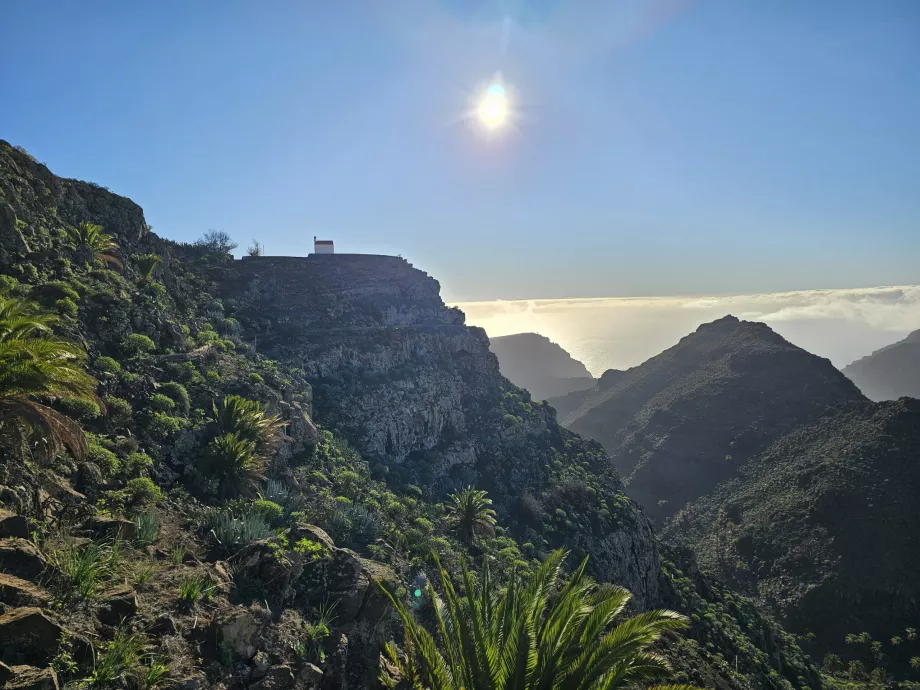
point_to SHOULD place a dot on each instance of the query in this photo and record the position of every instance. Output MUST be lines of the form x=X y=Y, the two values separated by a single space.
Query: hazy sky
x=618 y=333
x=660 y=147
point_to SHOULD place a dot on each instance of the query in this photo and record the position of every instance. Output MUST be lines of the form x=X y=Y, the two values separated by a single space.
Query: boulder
x=89 y=479
x=12 y=525
x=31 y=678
x=104 y=527
x=276 y=678
x=308 y=677
x=15 y=591
x=118 y=605
x=236 y=630
x=28 y=636
x=259 y=666
x=352 y=581
x=21 y=558
x=334 y=675
x=163 y=625
x=303 y=530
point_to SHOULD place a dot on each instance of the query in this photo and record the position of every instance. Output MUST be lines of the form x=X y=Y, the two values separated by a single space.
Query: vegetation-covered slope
x=210 y=525
x=891 y=372
x=534 y=362
x=823 y=526
x=686 y=419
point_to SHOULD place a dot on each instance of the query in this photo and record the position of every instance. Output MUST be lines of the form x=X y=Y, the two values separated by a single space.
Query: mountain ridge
x=544 y=368
x=821 y=526
x=890 y=372
x=682 y=421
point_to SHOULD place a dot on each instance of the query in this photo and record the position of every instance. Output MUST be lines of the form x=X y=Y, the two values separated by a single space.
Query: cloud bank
x=614 y=332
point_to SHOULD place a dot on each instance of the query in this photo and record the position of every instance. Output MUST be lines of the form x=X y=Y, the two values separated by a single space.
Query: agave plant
x=470 y=512
x=545 y=632
x=250 y=421
x=36 y=366
x=232 y=463
x=92 y=238
x=146 y=263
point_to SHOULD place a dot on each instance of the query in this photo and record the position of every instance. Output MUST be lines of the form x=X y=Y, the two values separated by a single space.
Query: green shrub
x=67 y=307
x=118 y=410
x=212 y=376
x=161 y=403
x=80 y=409
x=142 y=490
x=310 y=549
x=349 y=481
x=162 y=427
x=424 y=524
x=255 y=379
x=136 y=464
x=136 y=345
x=104 y=458
x=269 y=510
x=126 y=445
x=178 y=394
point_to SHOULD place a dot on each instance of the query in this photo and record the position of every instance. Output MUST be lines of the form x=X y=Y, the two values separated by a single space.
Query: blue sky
x=660 y=147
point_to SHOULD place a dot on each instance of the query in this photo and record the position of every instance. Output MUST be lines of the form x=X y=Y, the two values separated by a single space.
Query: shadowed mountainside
x=534 y=362
x=678 y=424
x=891 y=372
x=823 y=525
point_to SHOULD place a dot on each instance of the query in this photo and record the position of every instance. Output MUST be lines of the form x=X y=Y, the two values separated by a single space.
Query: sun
x=493 y=107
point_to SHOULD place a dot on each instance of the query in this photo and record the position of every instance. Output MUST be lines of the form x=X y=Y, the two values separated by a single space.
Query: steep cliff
x=686 y=419
x=420 y=394
x=535 y=362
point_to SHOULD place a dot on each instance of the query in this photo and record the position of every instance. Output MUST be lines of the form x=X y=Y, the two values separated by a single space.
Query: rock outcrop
x=399 y=374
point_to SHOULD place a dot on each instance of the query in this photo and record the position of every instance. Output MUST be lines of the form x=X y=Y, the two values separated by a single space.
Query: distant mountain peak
x=682 y=421
x=535 y=362
x=890 y=372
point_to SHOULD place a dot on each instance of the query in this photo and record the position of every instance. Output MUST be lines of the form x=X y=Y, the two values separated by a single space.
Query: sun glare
x=493 y=107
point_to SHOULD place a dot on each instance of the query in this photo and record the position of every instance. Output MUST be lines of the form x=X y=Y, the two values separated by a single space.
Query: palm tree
x=90 y=238
x=36 y=365
x=469 y=510
x=232 y=462
x=250 y=420
x=545 y=632
x=146 y=263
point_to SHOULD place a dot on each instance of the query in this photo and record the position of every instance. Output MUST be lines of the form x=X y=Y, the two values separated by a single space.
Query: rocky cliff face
x=420 y=394
x=34 y=201
x=686 y=419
